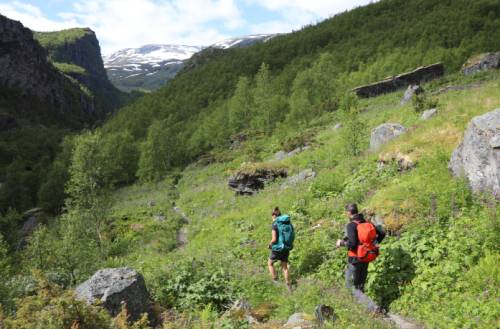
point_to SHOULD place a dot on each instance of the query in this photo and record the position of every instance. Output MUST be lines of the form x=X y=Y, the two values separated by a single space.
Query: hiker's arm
x=352 y=237
x=380 y=233
x=274 y=238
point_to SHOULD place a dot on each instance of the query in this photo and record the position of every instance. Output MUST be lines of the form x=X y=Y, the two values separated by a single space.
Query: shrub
x=422 y=102
x=191 y=285
x=52 y=308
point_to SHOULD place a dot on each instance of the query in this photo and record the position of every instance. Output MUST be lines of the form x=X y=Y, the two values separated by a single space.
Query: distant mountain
x=76 y=52
x=147 y=67
x=243 y=42
x=151 y=66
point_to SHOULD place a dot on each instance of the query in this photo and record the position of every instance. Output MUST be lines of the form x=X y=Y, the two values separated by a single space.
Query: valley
x=152 y=208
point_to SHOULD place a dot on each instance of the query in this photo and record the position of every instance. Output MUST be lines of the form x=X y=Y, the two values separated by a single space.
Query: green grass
x=68 y=68
x=231 y=232
x=57 y=38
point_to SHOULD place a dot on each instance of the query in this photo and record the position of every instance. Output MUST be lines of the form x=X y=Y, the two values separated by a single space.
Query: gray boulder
x=113 y=286
x=482 y=62
x=241 y=310
x=304 y=175
x=337 y=126
x=324 y=314
x=428 y=114
x=477 y=158
x=410 y=91
x=300 y=321
x=385 y=133
x=298 y=150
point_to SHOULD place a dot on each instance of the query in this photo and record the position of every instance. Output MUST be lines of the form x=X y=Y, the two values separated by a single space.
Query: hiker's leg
x=359 y=275
x=362 y=276
x=271 y=269
x=284 y=267
x=349 y=273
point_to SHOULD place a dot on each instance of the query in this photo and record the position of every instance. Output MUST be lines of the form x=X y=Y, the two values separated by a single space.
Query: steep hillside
x=45 y=95
x=76 y=52
x=26 y=72
x=361 y=46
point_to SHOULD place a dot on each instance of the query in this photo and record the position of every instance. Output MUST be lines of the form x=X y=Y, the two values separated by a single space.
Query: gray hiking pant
x=355 y=275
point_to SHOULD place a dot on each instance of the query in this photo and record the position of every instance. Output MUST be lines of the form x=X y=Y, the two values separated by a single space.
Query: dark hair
x=276 y=212
x=352 y=208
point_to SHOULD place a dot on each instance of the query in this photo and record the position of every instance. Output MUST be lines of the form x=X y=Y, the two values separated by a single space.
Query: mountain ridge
x=151 y=66
x=80 y=47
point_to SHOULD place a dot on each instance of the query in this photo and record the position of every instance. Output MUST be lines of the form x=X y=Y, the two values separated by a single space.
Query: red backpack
x=367 y=248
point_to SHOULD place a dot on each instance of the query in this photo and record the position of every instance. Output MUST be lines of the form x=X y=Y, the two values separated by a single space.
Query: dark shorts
x=281 y=256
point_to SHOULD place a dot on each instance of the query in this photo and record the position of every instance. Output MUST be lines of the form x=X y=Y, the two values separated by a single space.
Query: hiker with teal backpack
x=281 y=243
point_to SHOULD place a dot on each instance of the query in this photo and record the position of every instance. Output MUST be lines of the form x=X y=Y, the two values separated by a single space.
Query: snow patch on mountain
x=243 y=41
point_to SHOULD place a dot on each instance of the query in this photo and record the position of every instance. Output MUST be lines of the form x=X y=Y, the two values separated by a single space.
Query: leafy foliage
x=191 y=285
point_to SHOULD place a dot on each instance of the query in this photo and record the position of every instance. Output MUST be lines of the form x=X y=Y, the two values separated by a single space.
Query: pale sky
x=132 y=23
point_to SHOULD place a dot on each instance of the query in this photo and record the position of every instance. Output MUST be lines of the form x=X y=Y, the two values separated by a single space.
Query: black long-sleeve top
x=351 y=239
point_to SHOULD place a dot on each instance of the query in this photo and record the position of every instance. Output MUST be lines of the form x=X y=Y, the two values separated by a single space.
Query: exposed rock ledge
x=400 y=81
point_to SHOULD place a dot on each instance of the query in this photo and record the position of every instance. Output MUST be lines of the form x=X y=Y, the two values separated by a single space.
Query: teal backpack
x=286 y=234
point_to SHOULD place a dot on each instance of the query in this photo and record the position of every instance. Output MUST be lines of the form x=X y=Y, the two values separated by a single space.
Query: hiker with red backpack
x=282 y=237
x=362 y=239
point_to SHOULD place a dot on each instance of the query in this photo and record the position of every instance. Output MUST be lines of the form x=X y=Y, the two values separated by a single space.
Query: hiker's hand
x=269 y=246
x=339 y=243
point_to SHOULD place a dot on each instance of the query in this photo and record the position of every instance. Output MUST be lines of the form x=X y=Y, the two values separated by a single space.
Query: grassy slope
x=58 y=38
x=233 y=232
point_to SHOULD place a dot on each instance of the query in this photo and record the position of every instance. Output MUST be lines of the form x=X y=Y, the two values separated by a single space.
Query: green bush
x=392 y=270
x=191 y=285
x=52 y=308
x=422 y=102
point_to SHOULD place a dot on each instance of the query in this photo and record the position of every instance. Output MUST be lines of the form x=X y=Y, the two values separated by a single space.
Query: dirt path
x=182 y=234
x=402 y=323
x=396 y=319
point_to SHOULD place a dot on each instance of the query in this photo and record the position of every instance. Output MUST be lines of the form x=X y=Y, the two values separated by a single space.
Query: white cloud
x=31 y=16
x=133 y=23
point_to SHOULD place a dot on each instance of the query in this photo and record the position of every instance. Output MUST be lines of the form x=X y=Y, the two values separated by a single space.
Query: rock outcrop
x=416 y=77
x=300 y=321
x=247 y=182
x=477 y=158
x=385 y=133
x=324 y=314
x=241 y=311
x=114 y=286
x=281 y=155
x=304 y=175
x=410 y=91
x=482 y=62
x=427 y=114
x=79 y=46
x=24 y=69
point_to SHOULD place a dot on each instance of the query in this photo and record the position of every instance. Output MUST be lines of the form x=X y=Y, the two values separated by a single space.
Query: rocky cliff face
x=25 y=71
x=79 y=46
